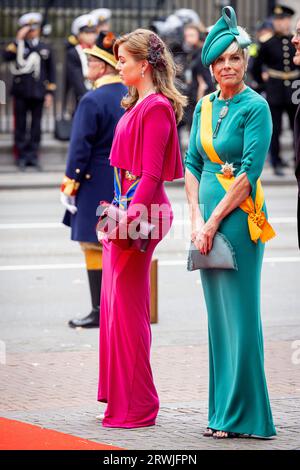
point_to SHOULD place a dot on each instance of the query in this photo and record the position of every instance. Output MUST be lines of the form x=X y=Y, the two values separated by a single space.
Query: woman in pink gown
x=145 y=150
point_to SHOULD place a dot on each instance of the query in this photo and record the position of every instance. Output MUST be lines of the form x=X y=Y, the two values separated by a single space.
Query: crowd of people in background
x=271 y=72
x=131 y=97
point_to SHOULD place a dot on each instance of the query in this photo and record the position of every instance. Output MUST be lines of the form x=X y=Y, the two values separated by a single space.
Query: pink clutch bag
x=135 y=235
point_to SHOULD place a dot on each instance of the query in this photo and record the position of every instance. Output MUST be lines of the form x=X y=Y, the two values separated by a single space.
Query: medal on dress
x=130 y=176
x=228 y=169
x=222 y=114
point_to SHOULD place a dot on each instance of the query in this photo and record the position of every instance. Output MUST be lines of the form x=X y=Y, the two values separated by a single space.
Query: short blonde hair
x=235 y=47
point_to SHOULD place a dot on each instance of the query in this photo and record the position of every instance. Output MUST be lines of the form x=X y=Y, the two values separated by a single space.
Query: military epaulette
x=11 y=47
x=69 y=186
x=72 y=40
x=265 y=37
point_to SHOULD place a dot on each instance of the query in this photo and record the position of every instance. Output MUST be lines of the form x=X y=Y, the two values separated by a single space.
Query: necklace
x=238 y=91
x=152 y=90
x=222 y=114
x=224 y=110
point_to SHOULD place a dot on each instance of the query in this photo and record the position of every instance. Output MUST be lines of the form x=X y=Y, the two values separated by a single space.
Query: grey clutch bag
x=221 y=256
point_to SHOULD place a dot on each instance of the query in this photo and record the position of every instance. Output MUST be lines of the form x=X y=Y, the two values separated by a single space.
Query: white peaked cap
x=171 y=24
x=30 y=18
x=83 y=21
x=101 y=14
x=187 y=15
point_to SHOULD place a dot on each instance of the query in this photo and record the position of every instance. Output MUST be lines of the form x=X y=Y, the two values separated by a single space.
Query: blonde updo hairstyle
x=137 y=43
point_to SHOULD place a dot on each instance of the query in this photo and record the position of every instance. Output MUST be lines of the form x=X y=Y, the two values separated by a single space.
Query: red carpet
x=15 y=435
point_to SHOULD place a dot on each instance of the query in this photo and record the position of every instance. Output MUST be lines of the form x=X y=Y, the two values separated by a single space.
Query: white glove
x=68 y=202
x=101 y=236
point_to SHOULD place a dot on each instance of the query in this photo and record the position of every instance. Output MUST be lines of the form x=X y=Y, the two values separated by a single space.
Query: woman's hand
x=205 y=236
x=120 y=235
x=197 y=225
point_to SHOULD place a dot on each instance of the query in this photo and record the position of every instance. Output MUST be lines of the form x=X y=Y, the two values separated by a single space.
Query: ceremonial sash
x=120 y=199
x=259 y=227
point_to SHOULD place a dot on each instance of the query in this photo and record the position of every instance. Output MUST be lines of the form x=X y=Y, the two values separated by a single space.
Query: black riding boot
x=91 y=320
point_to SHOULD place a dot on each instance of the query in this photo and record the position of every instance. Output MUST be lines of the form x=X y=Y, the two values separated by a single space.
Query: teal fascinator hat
x=222 y=34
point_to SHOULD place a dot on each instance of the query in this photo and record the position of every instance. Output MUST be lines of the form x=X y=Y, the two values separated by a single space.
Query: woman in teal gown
x=238 y=395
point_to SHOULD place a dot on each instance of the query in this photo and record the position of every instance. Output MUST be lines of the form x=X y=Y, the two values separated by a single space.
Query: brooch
x=222 y=114
x=129 y=176
x=228 y=169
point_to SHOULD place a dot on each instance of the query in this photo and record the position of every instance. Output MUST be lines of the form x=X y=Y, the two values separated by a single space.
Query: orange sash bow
x=259 y=227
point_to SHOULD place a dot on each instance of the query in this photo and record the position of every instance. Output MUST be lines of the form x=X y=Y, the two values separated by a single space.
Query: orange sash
x=259 y=227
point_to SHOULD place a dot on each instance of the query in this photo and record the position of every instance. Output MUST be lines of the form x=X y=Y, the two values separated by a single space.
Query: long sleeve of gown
x=193 y=160
x=156 y=132
x=255 y=146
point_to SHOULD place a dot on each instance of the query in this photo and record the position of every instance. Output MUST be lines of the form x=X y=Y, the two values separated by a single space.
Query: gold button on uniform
x=88 y=176
x=77 y=171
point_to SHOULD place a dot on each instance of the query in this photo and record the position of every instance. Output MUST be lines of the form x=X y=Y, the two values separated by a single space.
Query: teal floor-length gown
x=238 y=394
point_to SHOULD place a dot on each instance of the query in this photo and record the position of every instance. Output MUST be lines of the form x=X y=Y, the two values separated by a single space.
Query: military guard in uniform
x=296 y=59
x=198 y=78
x=33 y=68
x=103 y=17
x=263 y=31
x=83 y=36
x=274 y=67
x=89 y=177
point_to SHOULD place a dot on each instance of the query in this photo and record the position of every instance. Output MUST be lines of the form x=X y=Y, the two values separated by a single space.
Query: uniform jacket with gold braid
x=297 y=150
x=89 y=175
x=275 y=56
x=31 y=84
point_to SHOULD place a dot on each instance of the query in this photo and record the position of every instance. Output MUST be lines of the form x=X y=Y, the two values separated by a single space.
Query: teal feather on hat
x=222 y=34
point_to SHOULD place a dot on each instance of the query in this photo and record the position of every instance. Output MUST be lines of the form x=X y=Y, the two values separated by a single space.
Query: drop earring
x=142 y=73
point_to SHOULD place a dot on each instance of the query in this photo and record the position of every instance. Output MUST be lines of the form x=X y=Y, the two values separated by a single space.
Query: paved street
x=49 y=372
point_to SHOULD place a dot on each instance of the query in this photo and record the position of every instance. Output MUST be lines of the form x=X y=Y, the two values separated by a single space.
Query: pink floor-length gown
x=125 y=379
